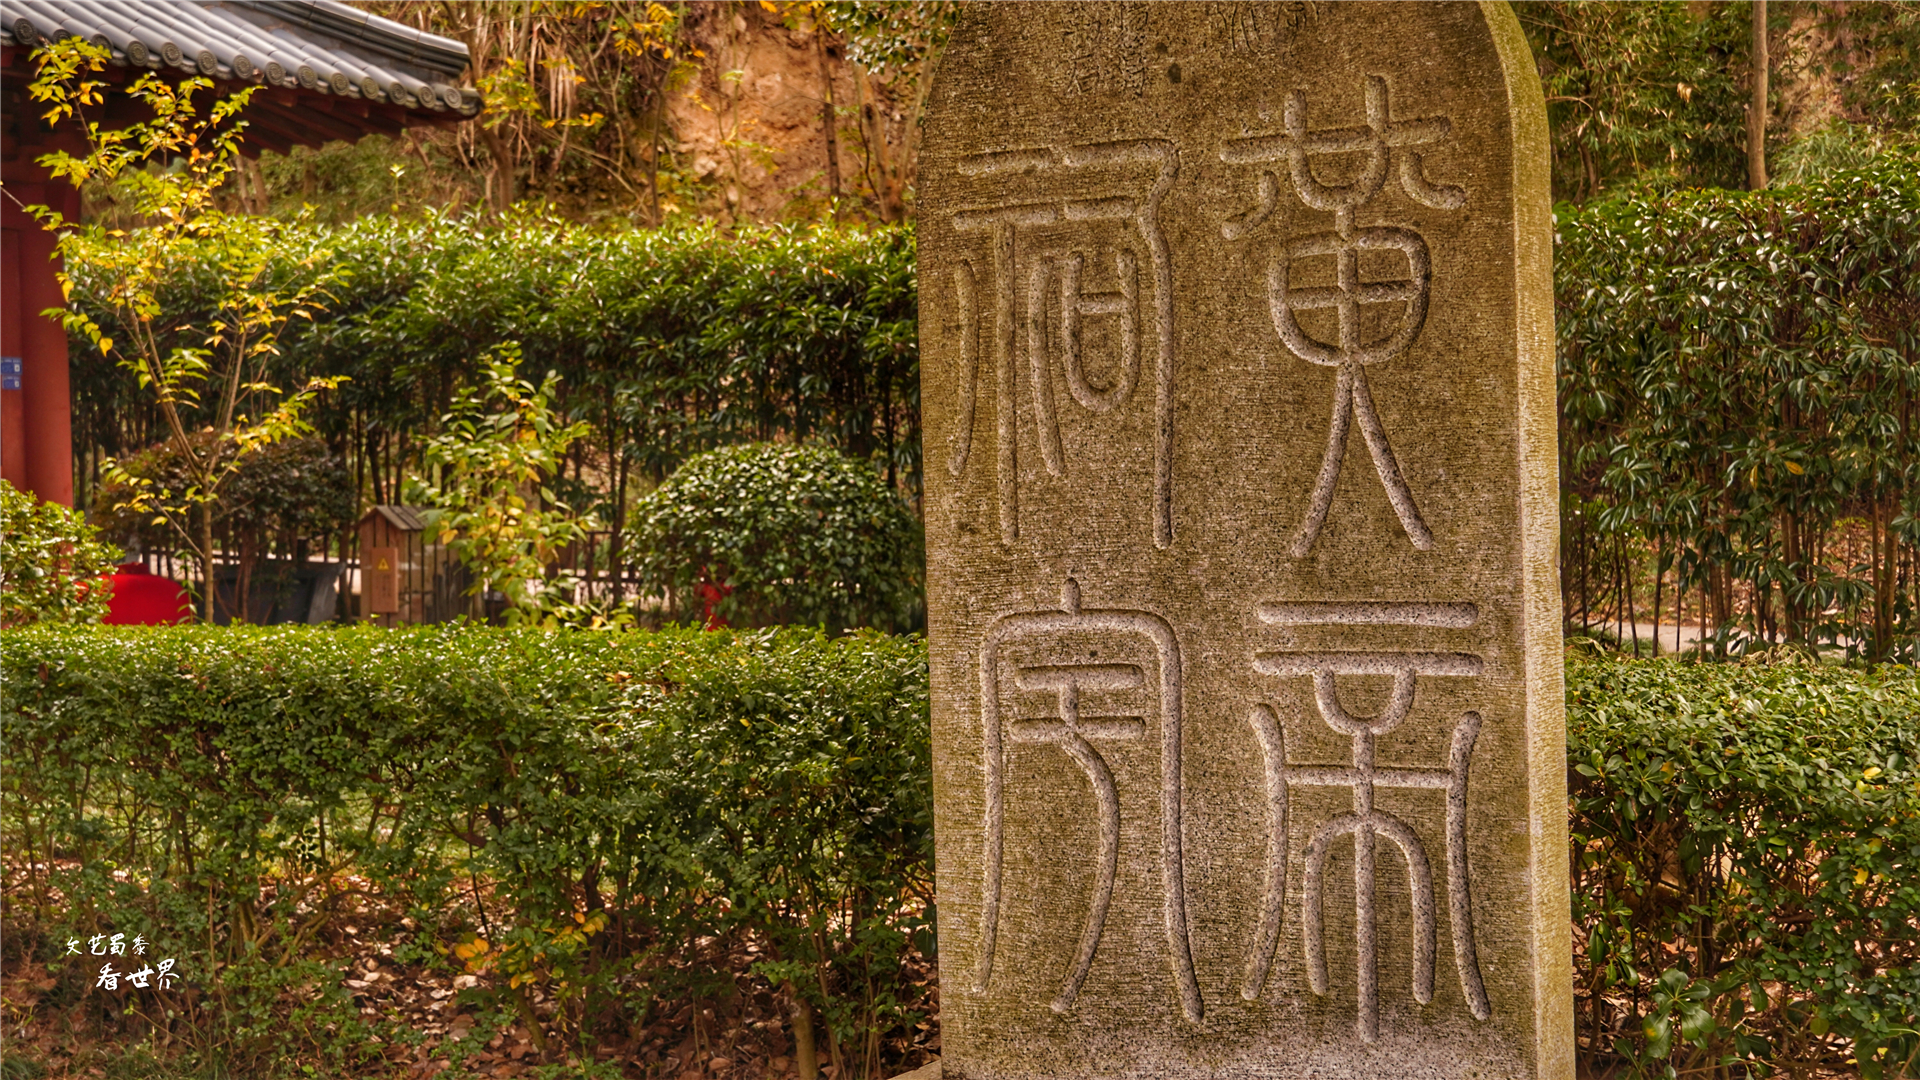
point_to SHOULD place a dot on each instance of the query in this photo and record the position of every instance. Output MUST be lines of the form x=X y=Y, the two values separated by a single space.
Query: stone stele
x=1242 y=515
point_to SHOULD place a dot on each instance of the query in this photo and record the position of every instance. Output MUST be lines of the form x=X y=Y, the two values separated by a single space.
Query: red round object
x=144 y=598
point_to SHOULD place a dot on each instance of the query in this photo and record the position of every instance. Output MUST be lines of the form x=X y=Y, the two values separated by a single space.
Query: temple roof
x=349 y=72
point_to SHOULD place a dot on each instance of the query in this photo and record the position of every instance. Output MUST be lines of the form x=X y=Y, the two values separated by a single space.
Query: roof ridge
x=321 y=46
x=370 y=31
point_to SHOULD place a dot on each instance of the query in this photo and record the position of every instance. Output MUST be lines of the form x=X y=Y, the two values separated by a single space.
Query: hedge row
x=1746 y=845
x=221 y=788
x=1746 y=839
x=1739 y=393
x=668 y=342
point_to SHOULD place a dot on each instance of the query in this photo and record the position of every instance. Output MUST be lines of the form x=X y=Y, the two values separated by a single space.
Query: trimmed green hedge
x=1746 y=847
x=773 y=533
x=1746 y=839
x=668 y=341
x=1739 y=383
x=667 y=787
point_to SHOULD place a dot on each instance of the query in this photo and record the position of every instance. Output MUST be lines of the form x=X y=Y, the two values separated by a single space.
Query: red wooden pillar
x=36 y=420
x=13 y=407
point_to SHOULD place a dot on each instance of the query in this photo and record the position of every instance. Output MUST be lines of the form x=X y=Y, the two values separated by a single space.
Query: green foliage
x=1746 y=858
x=1883 y=91
x=287 y=491
x=1650 y=97
x=487 y=493
x=667 y=342
x=210 y=373
x=788 y=534
x=1642 y=95
x=1834 y=148
x=1746 y=840
x=1739 y=375
x=613 y=791
x=51 y=562
x=890 y=38
x=794 y=784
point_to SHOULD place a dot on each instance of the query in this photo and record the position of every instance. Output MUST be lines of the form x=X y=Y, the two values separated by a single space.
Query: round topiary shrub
x=766 y=533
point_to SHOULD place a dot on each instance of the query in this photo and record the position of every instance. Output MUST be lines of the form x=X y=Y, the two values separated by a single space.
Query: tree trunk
x=827 y=120
x=1659 y=584
x=1757 y=108
x=205 y=543
x=501 y=192
x=502 y=188
x=653 y=152
x=806 y=1061
x=1880 y=539
x=1626 y=577
x=884 y=179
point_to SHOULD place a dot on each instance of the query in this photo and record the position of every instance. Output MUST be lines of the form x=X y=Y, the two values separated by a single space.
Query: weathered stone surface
x=1241 y=518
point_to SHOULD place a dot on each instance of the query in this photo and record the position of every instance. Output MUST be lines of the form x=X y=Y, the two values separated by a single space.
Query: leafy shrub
x=667 y=341
x=208 y=374
x=487 y=486
x=781 y=534
x=51 y=562
x=1738 y=378
x=279 y=494
x=675 y=786
x=1746 y=853
x=795 y=786
x=1745 y=839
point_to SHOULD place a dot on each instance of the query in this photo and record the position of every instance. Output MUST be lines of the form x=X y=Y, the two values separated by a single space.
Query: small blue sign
x=9 y=373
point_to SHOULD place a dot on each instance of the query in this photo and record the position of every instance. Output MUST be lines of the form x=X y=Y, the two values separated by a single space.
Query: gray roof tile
x=316 y=45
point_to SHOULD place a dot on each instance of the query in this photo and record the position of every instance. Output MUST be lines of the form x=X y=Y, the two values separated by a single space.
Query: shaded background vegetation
x=667 y=342
x=643 y=112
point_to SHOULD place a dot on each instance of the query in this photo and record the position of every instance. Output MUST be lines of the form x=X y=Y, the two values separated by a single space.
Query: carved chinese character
x=1058 y=294
x=1387 y=148
x=1367 y=823
x=1141 y=668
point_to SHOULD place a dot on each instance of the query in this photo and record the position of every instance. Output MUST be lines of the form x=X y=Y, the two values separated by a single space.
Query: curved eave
x=320 y=49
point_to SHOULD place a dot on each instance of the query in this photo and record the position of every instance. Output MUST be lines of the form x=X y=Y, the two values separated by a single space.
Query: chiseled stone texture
x=1241 y=515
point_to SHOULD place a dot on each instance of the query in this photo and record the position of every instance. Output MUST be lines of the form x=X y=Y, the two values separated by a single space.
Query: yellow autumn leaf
x=1860 y=876
x=1872 y=771
x=1794 y=468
